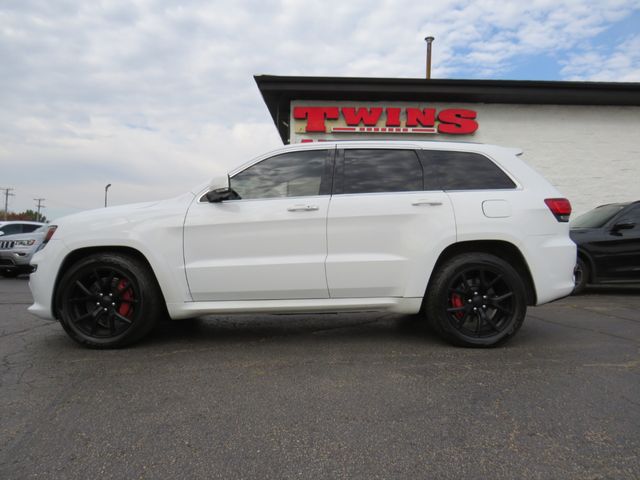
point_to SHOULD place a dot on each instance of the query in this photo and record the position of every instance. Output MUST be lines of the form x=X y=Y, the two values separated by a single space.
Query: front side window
x=294 y=174
x=380 y=170
x=632 y=216
x=12 y=228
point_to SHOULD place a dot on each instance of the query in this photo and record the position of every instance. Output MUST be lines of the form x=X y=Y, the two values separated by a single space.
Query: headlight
x=23 y=243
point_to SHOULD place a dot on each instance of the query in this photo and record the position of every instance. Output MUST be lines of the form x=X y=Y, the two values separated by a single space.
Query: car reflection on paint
x=608 y=239
x=16 y=251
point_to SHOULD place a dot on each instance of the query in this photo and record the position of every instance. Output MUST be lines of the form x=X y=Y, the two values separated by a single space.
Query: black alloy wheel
x=581 y=274
x=108 y=301
x=476 y=300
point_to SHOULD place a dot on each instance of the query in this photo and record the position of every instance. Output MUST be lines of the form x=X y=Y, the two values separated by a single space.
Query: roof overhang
x=279 y=91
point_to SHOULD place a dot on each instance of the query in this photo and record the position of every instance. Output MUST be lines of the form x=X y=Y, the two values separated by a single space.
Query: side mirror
x=221 y=181
x=222 y=194
x=219 y=190
x=623 y=225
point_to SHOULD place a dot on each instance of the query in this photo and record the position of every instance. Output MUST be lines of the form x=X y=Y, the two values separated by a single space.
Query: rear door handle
x=428 y=203
x=303 y=208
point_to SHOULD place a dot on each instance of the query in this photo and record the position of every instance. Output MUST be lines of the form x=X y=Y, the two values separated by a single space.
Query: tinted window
x=633 y=216
x=369 y=171
x=463 y=171
x=294 y=174
x=29 y=228
x=12 y=228
x=597 y=217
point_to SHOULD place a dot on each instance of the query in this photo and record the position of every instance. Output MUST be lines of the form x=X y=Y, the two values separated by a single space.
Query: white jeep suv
x=465 y=234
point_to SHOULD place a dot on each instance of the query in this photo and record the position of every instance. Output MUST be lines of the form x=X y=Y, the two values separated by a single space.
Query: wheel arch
x=79 y=253
x=501 y=249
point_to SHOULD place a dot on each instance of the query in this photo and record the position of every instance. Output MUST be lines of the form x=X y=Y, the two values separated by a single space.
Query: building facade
x=582 y=136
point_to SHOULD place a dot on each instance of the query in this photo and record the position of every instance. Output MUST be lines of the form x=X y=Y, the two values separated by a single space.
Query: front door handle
x=303 y=208
x=426 y=202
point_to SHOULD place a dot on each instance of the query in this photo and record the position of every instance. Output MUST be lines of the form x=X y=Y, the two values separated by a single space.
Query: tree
x=29 y=215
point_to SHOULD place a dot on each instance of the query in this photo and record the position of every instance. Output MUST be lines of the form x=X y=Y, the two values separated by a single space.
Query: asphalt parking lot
x=326 y=396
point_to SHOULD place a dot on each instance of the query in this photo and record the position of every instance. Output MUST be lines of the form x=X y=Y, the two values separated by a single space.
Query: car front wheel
x=108 y=301
x=476 y=300
x=581 y=276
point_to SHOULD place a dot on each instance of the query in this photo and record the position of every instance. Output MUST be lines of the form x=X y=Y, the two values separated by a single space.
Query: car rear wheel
x=476 y=300
x=109 y=301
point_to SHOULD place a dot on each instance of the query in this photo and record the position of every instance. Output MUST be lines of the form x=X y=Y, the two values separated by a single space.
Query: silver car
x=16 y=251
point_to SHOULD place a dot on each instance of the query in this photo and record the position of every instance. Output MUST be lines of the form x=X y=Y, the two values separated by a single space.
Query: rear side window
x=463 y=171
x=380 y=170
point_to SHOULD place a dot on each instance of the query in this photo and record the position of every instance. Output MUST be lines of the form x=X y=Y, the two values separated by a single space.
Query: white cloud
x=621 y=64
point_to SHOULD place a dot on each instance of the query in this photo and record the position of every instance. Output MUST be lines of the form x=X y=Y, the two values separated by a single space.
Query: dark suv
x=608 y=239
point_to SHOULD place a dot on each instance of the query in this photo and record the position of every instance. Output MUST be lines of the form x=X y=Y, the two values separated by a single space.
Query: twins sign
x=378 y=119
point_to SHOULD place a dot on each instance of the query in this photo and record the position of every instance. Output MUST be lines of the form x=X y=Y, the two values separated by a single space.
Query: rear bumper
x=552 y=259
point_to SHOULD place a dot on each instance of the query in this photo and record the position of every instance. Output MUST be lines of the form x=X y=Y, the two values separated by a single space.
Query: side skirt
x=320 y=305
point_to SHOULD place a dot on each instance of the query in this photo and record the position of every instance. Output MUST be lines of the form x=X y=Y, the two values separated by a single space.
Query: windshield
x=597 y=217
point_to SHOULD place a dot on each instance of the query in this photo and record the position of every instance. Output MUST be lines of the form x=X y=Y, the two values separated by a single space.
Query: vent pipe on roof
x=429 y=40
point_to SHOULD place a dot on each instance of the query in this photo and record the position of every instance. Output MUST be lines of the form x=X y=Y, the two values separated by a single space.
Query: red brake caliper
x=456 y=301
x=126 y=307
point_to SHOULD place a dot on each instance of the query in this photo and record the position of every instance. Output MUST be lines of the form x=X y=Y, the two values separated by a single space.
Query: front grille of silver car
x=6 y=244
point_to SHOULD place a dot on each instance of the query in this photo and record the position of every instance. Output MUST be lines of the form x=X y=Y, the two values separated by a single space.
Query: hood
x=108 y=212
x=117 y=218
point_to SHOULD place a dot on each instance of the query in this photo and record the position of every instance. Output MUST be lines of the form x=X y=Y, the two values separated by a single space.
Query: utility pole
x=40 y=205
x=429 y=41
x=106 y=189
x=7 y=194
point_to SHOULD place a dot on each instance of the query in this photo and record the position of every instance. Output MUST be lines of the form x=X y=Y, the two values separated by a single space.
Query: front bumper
x=12 y=260
x=42 y=281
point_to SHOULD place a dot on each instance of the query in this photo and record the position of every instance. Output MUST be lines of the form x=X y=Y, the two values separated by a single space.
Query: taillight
x=560 y=207
x=52 y=229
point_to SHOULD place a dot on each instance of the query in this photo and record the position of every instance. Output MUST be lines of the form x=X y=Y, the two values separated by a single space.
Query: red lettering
x=393 y=117
x=457 y=121
x=426 y=117
x=316 y=116
x=368 y=116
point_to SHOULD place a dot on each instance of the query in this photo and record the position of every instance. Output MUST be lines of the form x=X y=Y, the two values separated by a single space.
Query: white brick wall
x=590 y=153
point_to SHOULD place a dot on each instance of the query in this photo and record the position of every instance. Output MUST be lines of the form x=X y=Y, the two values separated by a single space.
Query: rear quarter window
x=462 y=171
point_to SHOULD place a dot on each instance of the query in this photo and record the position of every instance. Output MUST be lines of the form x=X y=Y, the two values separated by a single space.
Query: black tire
x=476 y=300
x=581 y=275
x=109 y=301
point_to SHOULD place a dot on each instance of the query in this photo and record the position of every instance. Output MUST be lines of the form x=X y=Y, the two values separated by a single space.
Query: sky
x=157 y=96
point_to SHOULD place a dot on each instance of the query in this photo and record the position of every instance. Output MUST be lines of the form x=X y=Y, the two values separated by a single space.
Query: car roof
x=27 y=222
x=619 y=204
